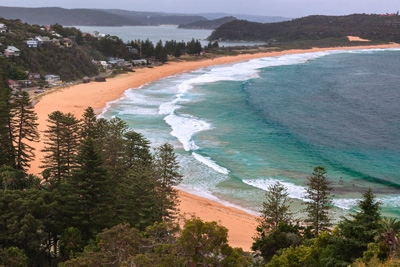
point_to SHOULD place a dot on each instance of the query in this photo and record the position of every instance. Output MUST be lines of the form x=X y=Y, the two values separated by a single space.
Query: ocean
x=238 y=128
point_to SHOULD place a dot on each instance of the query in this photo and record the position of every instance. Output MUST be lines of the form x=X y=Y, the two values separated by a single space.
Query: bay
x=157 y=33
x=238 y=128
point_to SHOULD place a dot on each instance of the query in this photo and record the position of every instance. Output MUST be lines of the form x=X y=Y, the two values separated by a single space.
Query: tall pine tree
x=62 y=142
x=136 y=199
x=7 y=156
x=167 y=176
x=276 y=207
x=319 y=200
x=363 y=226
x=90 y=199
x=24 y=129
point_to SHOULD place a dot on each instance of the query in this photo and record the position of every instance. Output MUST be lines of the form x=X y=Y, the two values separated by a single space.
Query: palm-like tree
x=390 y=234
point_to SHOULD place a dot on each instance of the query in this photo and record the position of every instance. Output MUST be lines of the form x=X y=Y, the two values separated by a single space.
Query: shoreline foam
x=76 y=98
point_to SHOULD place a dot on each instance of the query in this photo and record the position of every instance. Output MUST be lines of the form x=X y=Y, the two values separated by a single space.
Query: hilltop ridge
x=317 y=29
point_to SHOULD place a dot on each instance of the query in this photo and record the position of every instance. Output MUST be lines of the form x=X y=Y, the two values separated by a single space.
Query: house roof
x=13 y=49
x=12 y=82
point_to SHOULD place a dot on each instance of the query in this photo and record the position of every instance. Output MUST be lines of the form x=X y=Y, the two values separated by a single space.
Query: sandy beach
x=75 y=99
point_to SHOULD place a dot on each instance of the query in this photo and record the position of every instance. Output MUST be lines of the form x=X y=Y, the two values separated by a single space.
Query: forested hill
x=207 y=24
x=377 y=28
x=93 y=17
x=53 y=15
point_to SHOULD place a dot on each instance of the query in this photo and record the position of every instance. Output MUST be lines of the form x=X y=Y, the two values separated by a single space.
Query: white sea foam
x=184 y=127
x=210 y=163
x=294 y=191
x=391 y=201
x=299 y=192
x=137 y=110
x=345 y=203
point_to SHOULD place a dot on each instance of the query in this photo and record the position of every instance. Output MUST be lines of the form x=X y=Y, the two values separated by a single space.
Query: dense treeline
x=316 y=29
x=97 y=173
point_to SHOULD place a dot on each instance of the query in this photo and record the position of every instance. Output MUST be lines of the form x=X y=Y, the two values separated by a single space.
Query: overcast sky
x=285 y=8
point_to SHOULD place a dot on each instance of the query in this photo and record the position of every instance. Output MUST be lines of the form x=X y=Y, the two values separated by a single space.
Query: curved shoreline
x=75 y=99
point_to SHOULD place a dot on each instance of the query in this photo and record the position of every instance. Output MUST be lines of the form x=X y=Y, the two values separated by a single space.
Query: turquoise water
x=238 y=128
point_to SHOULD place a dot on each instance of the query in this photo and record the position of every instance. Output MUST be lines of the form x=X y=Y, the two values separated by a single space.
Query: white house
x=51 y=78
x=3 y=27
x=139 y=62
x=105 y=64
x=12 y=51
x=32 y=43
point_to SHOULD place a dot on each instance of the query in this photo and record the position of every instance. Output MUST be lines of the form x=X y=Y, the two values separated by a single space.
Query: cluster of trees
x=361 y=239
x=315 y=28
x=171 y=48
x=97 y=173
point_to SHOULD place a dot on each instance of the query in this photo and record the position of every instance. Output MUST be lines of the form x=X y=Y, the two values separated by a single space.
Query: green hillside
x=377 y=28
x=207 y=24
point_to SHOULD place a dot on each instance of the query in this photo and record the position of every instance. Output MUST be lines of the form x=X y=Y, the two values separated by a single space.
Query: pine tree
x=136 y=199
x=89 y=124
x=364 y=225
x=276 y=207
x=111 y=144
x=319 y=200
x=7 y=155
x=167 y=176
x=89 y=189
x=62 y=140
x=24 y=128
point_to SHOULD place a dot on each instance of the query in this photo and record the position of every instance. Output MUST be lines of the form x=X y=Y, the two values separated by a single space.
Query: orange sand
x=357 y=39
x=76 y=98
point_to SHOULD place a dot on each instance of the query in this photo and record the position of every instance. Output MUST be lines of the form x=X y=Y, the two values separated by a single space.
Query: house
x=3 y=28
x=100 y=79
x=105 y=64
x=33 y=76
x=116 y=61
x=12 y=51
x=13 y=84
x=139 y=62
x=51 y=78
x=86 y=79
x=42 y=40
x=32 y=43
